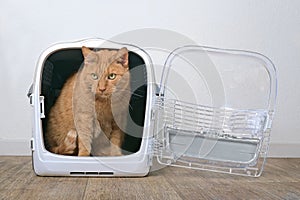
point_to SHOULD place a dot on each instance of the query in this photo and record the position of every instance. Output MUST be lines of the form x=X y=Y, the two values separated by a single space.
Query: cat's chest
x=103 y=111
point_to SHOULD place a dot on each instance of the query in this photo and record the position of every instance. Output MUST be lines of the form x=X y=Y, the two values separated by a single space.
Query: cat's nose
x=102 y=89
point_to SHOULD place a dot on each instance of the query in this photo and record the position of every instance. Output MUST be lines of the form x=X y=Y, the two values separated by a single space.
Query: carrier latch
x=42 y=107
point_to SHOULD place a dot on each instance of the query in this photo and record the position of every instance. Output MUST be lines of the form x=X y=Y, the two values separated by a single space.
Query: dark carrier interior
x=63 y=63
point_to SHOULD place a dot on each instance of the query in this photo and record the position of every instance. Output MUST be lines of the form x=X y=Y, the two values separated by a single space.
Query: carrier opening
x=61 y=64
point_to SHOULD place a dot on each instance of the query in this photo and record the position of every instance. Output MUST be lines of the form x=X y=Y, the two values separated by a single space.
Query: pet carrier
x=212 y=110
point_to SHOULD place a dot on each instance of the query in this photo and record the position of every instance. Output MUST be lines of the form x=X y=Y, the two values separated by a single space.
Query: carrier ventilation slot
x=77 y=173
x=92 y=173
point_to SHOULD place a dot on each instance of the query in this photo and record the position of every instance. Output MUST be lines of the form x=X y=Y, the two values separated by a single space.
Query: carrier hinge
x=155 y=149
x=150 y=152
x=155 y=146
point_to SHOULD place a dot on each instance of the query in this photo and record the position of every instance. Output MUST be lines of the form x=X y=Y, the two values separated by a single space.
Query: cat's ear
x=85 y=51
x=122 y=57
x=89 y=55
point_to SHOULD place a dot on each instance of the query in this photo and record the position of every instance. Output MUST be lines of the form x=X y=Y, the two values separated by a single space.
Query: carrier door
x=214 y=110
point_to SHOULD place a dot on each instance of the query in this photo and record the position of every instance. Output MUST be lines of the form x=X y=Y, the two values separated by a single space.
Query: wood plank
x=277 y=190
x=208 y=185
x=151 y=187
x=280 y=180
x=20 y=182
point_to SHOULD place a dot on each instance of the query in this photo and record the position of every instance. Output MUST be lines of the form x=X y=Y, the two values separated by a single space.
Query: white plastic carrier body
x=212 y=110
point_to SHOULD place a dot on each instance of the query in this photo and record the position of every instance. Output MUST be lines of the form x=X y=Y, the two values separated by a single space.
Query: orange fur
x=90 y=113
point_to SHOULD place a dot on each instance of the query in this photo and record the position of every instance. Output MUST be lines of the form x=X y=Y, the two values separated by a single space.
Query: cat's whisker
x=119 y=99
x=130 y=106
x=133 y=93
x=135 y=81
x=138 y=95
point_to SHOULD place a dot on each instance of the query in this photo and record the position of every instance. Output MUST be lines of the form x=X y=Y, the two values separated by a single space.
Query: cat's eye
x=94 y=76
x=112 y=76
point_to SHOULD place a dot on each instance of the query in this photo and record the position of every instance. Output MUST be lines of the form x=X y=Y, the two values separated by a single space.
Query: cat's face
x=105 y=71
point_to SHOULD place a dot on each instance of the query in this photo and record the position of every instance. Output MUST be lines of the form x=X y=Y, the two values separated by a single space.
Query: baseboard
x=15 y=147
x=21 y=147
x=284 y=150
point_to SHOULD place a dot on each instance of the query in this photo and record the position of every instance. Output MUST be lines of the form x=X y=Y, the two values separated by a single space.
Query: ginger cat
x=89 y=116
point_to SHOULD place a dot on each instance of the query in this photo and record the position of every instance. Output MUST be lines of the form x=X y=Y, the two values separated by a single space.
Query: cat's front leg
x=84 y=145
x=84 y=126
x=116 y=140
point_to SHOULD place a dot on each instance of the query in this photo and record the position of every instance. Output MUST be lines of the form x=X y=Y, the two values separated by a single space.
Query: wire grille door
x=215 y=109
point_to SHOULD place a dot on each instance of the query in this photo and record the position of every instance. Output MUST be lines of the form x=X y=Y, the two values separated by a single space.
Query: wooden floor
x=280 y=180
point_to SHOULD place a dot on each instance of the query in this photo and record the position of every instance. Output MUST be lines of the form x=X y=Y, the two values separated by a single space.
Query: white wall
x=270 y=27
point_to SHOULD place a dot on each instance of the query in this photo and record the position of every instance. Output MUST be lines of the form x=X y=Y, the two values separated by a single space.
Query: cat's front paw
x=84 y=153
x=70 y=143
x=71 y=138
x=115 y=151
x=84 y=148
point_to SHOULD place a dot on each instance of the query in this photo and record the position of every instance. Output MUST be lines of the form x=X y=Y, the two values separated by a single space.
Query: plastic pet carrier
x=212 y=109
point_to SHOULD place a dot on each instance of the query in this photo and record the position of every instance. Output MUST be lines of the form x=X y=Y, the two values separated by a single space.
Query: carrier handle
x=30 y=91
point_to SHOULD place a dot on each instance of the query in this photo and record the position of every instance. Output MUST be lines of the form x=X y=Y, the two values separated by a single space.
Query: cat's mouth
x=103 y=95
